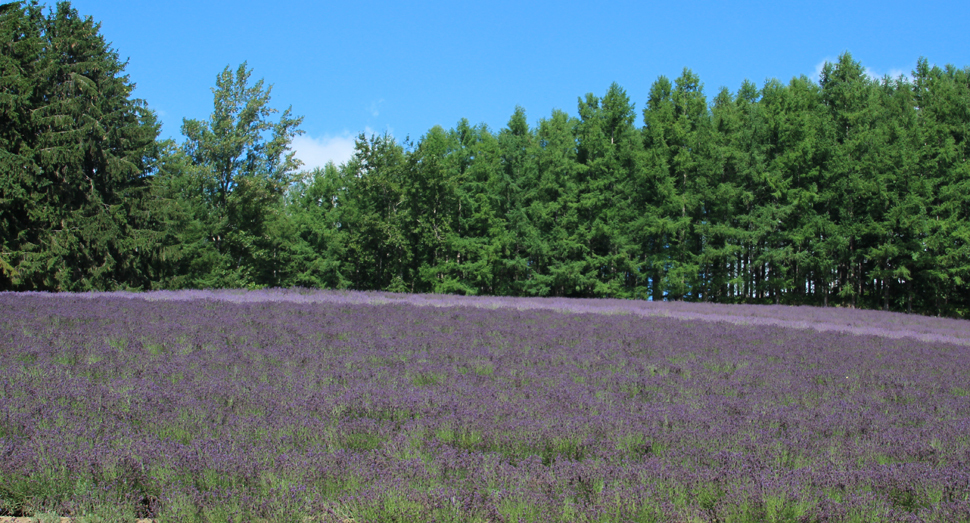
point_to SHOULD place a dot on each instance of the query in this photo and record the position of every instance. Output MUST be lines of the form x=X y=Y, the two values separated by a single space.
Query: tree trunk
x=909 y=296
x=885 y=295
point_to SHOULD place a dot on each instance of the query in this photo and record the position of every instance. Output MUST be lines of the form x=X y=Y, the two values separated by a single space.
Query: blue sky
x=403 y=67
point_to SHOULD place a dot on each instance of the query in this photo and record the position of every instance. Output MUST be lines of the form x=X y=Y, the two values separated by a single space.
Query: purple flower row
x=219 y=406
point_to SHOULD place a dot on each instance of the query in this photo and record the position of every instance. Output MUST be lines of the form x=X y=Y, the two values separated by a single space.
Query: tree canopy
x=75 y=152
x=849 y=190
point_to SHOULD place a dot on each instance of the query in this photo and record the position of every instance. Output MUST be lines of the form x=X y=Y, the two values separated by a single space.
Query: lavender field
x=370 y=407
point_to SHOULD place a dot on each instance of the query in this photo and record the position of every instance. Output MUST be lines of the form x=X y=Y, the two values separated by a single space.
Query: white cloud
x=893 y=74
x=821 y=65
x=870 y=72
x=375 y=108
x=316 y=152
x=896 y=73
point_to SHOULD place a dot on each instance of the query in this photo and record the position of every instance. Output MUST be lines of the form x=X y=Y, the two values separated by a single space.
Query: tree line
x=848 y=190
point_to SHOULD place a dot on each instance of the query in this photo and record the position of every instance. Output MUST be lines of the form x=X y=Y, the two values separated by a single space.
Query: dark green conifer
x=75 y=159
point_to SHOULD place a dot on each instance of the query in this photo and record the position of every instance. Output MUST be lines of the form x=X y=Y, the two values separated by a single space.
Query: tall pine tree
x=76 y=159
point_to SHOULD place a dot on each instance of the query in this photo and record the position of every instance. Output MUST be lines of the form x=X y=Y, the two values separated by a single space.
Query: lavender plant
x=326 y=406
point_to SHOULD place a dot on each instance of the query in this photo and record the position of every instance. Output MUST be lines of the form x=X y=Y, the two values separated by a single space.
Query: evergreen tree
x=798 y=144
x=678 y=129
x=942 y=101
x=731 y=200
x=516 y=187
x=479 y=234
x=431 y=200
x=316 y=207
x=768 y=213
x=899 y=218
x=662 y=228
x=76 y=161
x=21 y=44
x=557 y=260
x=610 y=149
x=372 y=218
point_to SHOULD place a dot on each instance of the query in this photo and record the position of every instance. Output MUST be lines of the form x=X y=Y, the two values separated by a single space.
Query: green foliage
x=849 y=191
x=372 y=215
x=231 y=174
x=74 y=158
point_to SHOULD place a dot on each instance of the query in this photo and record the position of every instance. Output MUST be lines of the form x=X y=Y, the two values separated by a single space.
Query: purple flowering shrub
x=285 y=405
